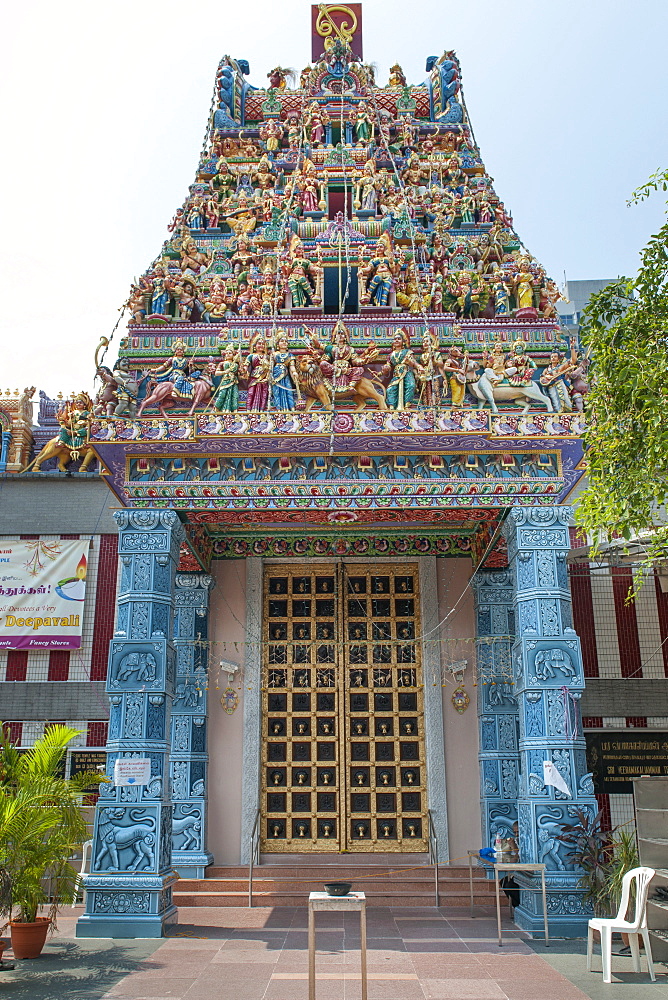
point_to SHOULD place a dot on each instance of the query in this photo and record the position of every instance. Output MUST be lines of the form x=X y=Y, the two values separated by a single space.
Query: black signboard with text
x=615 y=759
x=87 y=760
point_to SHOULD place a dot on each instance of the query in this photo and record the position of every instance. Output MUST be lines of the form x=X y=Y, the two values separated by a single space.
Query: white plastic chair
x=86 y=852
x=634 y=927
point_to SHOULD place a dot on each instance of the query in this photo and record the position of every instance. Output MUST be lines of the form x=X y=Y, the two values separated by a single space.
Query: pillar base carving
x=118 y=907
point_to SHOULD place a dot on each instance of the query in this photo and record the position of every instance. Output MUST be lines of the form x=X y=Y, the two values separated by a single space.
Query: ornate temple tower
x=342 y=370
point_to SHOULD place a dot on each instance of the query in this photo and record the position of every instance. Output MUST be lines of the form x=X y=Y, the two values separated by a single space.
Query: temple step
x=289 y=885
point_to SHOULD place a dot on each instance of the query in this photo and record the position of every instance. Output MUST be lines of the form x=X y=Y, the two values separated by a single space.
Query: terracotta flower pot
x=28 y=938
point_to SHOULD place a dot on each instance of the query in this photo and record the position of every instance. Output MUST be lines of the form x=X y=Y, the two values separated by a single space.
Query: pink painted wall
x=227 y=625
x=460 y=731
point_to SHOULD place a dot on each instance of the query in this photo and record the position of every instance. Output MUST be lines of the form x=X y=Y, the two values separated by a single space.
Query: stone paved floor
x=261 y=954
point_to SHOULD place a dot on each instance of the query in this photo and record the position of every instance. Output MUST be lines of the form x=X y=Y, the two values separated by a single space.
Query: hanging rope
x=406 y=204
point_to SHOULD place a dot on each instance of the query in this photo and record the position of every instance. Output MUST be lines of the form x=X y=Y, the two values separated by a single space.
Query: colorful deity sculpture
x=71 y=442
x=309 y=192
x=467 y=207
x=402 y=366
x=160 y=286
x=519 y=366
x=523 y=284
x=431 y=372
x=363 y=124
x=500 y=293
x=212 y=212
x=196 y=214
x=264 y=175
x=439 y=255
x=285 y=392
x=300 y=287
x=579 y=385
x=186 y=294
x=272 y=134
x=74 y=420
x=177 y=371
x=227 y=370
x=549 y=295
x=368 y=193
x=341 y=365
x=553 y=378
x=415 y=175
x=224 y=182
x=136 y=303
x=193 y=260
x=278 y=77
x=410 y=294
x=494 y=362
x=457 y=368
x=216 y=303
x=257 y=369
x=294 y=132
x=118 y=395
x=381 y=270
x=315 y=125
x=243 y=257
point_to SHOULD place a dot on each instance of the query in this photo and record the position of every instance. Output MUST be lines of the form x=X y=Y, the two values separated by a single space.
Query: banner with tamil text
x=42 y=592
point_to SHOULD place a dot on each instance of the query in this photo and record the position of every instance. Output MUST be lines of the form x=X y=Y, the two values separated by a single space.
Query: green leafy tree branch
x=625 y=331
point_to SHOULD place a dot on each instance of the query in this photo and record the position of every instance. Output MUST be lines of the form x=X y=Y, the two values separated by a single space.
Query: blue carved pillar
x=549 y=682
x=189 y=756
x=497 y=707
x=129 y=890
x=4 y=450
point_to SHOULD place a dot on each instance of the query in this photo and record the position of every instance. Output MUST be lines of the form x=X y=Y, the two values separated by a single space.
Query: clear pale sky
x=104 y=107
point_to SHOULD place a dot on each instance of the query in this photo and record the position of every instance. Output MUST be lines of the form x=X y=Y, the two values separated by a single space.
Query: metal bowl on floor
x=338 y=888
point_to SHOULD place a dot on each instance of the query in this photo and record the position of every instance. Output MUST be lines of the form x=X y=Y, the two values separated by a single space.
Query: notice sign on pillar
x=132 y=771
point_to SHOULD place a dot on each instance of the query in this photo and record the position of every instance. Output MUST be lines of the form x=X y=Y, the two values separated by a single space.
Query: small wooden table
x=355 y=901
x=508 y=866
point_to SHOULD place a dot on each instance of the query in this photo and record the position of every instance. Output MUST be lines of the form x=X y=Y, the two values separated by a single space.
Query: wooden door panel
x=343 y=763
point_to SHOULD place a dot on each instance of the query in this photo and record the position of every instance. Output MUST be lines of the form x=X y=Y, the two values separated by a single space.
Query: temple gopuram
x=339 y=438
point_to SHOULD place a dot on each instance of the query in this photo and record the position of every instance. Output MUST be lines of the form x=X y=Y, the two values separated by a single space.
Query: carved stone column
x=129 y=890
x=497 y=706
x=4 y=449
x=549 y=681
x=189 y=757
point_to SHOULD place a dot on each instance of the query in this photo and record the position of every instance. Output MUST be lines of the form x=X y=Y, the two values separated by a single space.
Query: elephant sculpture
x=548 y=661
x=142 y=665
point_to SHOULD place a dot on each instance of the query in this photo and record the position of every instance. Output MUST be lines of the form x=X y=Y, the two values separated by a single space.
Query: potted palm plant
x=42 y=824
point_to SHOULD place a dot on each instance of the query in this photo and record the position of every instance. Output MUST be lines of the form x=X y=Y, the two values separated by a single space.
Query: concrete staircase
x=386 y=884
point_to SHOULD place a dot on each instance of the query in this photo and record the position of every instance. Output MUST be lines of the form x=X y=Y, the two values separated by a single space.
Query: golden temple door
x=343 y=761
